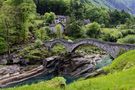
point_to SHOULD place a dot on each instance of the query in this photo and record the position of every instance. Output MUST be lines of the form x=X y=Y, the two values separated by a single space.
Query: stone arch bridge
x=111 y=48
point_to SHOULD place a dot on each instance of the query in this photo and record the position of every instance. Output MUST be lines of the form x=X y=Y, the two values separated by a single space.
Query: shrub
x=128 y=39
x=56 y=50
x=34 y=55
x=59 y=31
x=49 y=17
x=111 y=35
x=3 y=45
x=42 y=35
x=74 y=30
x=38 y=43
x=93 y=30
x=49 y=33
x=126 y=32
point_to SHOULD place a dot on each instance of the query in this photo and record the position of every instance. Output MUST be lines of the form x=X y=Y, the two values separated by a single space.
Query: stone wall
x=111 y=48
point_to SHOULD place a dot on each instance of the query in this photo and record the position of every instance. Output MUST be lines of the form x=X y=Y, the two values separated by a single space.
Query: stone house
x=62 y=20
x=53 y=29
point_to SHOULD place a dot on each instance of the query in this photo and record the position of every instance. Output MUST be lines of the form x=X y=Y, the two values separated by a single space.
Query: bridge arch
x=89 y=46
x=99 y=44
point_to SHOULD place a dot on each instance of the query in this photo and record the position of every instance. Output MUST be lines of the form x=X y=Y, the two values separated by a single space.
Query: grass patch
x=53 y=84
x=124 y=80
x=125 y=61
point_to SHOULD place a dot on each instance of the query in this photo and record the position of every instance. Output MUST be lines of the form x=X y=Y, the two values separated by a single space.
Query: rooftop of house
x=61 y=16
x=86 y=21
x=53 y=25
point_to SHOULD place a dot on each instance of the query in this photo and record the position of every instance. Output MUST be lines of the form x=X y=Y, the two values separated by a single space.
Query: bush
x=49 y=17
x=38 y=43
x=74 y=30
x=42 y=35
x=111 y=35
x=128 y=39
x=34 y=55
x=49 y=33
x=59 y=31
x=57 y=49
x=126 y=32
x=93 y=30
x=3 y=45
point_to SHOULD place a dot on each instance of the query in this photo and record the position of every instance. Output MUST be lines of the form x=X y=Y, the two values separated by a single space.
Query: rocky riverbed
x=73 y=65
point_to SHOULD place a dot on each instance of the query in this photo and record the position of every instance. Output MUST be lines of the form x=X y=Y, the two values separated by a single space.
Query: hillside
x=127 y=5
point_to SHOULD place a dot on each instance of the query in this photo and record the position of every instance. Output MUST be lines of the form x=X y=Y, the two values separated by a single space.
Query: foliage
x=16 y=16
x=93 y=30
x=111 y=35
x=77 y=9
x=89 y=49
x=96 y=14
x=3 y=45
x=42 y=34
x=49 y=17
x=60 y=7
x=118 y=17
x=74 y=30
x=126 y=32
x=38 y=43
x=58 y=28
x=128 y=39
x=83 y=9
x=58 y=49
x=33 y=54
x=49 y=33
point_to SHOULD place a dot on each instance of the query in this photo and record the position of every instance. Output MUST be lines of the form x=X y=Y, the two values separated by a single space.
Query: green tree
x=96 y=14
x=42 y=35
x=19 y=13
x=93 y=30
x=128 y=39
x=60 y=7
x=118 y=17
x=58 y=28
x=1 y=3
x=77 y=9
x=74 y=29
x=3 y=45
x=49 y=17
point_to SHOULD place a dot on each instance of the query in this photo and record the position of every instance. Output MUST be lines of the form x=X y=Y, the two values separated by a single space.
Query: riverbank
x=123 y=79
x=70 y=65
